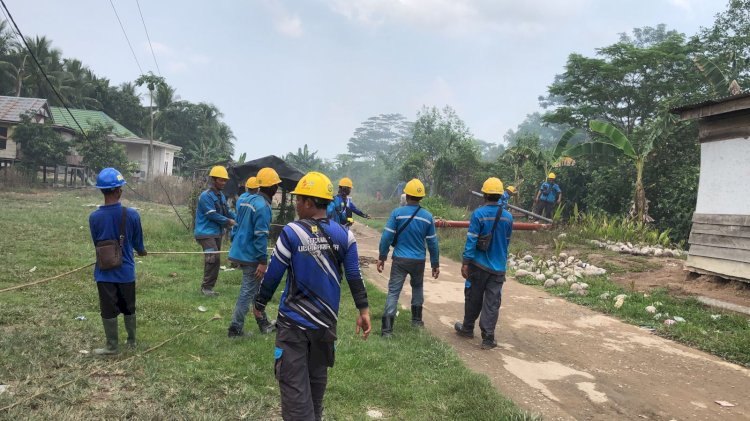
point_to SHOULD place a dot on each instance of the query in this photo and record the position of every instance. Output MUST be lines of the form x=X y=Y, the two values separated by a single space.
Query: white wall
x=724 y=186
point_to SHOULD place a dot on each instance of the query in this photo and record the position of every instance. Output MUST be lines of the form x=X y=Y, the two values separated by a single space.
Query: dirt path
x=565 y=361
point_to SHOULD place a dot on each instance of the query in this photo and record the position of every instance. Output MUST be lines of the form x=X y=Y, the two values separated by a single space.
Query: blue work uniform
x=409 y=254
x=312 y=253
x=549 y=192
x=484 y=285
x=211 y=215
x=504 y=198
x=494 y=259
x=340 y=209
x=411 y=241
x=250 y=241
x=104 y=224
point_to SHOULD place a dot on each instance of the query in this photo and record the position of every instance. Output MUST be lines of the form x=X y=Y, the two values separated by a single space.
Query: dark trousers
x=483 y=294
x=116 y=298
x=301 y=367
x=545 y=209
x=399 y=269
x=211 y=262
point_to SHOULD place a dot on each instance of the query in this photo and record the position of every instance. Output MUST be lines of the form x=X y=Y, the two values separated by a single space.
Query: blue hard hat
x=109 y=178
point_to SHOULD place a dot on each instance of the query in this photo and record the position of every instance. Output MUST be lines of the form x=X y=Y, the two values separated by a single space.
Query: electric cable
x=126 y=37
x=41 y=69
x=148 y=37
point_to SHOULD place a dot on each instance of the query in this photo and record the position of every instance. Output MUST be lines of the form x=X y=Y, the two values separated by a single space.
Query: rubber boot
x=130 y=328
x=462 y=331
x=387 y=330
x=110 y=331
x=416 y=316
x=488 y=342
x=265 y=325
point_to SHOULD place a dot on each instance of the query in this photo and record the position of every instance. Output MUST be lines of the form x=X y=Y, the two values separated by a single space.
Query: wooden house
x=720 y=235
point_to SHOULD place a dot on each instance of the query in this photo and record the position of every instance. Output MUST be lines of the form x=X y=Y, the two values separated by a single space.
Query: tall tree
x=153 y=83
x=379 y=137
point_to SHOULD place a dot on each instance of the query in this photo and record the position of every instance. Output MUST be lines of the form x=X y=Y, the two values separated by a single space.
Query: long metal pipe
x=516 y=208
x=518 y=226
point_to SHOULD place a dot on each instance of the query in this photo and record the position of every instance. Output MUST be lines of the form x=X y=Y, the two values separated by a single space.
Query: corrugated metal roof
x=682 y=108
x=12 y=107
x=88 y=119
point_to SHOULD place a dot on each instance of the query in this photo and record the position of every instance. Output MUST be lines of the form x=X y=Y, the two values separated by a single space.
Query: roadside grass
x=727 y=336
x=201 y=374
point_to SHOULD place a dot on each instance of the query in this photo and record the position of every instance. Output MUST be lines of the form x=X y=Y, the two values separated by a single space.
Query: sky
x=291 y=72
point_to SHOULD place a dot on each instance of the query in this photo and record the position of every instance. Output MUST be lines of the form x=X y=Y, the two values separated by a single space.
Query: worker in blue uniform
x=341 y=209
x=484 y=264
x=313 y=251
x=114 y=227
x=408 y=229
x=212 y=217
x=249 y=248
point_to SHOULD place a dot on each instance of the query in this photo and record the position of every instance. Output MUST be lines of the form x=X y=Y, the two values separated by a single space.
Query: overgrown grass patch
x=201 y=374
x=727 y=336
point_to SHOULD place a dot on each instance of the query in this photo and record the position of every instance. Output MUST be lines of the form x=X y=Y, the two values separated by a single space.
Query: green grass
x=202 y=374
x=727 y=337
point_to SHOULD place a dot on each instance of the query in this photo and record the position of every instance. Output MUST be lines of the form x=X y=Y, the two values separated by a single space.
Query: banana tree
x=722 y=84
x=548 y=159
x=611 y=139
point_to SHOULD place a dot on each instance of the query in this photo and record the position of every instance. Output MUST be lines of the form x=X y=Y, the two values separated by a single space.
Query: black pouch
x=328 y=346
x=109 y=252
x=484 y=241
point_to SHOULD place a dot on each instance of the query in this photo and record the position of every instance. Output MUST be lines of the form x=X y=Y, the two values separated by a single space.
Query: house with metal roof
x=135 y=147
x=11 y=110
x=720 y=235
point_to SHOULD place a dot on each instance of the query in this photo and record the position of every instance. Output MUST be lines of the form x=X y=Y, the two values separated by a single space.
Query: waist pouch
x=109 y=252
x=484 y=241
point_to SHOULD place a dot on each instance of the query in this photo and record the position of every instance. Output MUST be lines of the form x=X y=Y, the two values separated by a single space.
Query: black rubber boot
x=460 y=331
x=265 y=325
x=130 y=328
x=387 y=330
x=110 y=331
x=489 y=342
x=416 y=316
x=236 y=332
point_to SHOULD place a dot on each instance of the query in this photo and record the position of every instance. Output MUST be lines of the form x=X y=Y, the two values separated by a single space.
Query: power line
x=126 y=37
x=148 y=38
x=41 y=69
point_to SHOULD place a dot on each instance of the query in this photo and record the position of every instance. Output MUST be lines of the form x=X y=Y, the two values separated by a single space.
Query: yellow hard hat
x=346 y=182
x=252 y=183
x=414 y=188
x=511 y=189
x=315 y=184
x=551 y=175
x=268 y=177
x=219 y=172
x=492 y=185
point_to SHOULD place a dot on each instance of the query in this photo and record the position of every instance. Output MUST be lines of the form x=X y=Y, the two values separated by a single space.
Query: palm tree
x=152 y=82
x=304 y=160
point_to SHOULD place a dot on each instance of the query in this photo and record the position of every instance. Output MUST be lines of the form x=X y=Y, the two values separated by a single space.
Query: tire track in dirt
x=566 y=362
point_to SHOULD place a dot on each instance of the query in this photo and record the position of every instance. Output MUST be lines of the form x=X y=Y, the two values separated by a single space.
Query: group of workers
x=315 y=252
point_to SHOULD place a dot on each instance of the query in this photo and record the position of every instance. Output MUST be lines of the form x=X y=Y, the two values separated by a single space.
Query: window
x=3 y=138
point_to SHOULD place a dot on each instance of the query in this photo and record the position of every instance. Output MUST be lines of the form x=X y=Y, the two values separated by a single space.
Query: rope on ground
x=46 y=279
x=99 y=370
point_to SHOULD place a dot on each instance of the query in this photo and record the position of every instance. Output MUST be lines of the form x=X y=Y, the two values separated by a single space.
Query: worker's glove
x=367 y=216
x=143 y=253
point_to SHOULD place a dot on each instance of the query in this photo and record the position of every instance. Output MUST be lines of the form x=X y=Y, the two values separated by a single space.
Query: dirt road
x=566 y=362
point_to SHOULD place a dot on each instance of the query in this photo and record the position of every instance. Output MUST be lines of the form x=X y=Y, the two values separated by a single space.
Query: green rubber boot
x=130 y=328
x=110 y=331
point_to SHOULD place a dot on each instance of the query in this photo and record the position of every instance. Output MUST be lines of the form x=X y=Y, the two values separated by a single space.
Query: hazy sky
x=286 y=73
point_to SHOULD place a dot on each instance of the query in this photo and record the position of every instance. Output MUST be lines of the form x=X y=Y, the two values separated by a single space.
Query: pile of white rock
x=638 y=249
x=560 y=271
